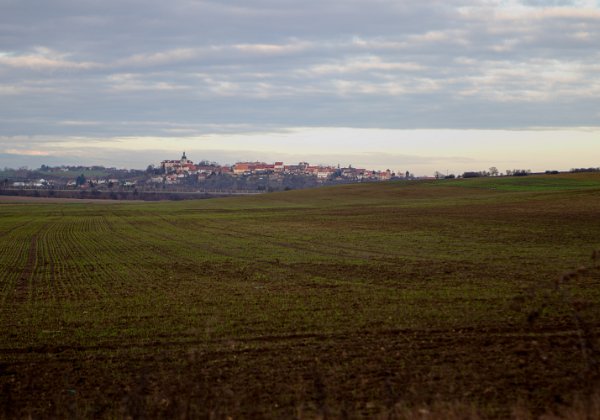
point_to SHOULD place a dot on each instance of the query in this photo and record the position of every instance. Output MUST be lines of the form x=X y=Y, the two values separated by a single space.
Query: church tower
x=184 y=159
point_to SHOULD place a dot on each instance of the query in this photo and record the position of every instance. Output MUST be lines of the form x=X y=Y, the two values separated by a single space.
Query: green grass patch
x=531 y=183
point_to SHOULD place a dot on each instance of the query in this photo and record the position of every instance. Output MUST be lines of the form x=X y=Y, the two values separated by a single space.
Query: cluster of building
x=185 y=172
x=173 y=171
x=73 y=183
x=40 y=183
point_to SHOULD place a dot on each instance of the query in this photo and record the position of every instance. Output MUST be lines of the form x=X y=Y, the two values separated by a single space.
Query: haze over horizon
x=429 y=86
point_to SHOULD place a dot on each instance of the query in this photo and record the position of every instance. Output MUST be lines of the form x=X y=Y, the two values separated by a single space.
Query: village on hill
x=185 y=175
x=176 y=171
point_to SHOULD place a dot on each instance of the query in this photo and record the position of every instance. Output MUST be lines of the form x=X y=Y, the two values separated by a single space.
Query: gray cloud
x=140 y=68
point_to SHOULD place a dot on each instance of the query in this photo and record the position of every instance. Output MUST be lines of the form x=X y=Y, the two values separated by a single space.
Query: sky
x=424 y=86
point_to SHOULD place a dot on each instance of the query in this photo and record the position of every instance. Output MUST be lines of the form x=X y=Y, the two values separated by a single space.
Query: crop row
x=19 y=259
x=75 y=257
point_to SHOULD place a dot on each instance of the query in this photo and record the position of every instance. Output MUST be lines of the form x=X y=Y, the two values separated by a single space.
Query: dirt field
x=390 y=300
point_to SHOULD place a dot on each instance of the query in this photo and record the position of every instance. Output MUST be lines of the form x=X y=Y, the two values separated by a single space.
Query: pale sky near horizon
x=420 y=86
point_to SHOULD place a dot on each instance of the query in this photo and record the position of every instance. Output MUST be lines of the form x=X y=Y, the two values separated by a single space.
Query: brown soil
x=280 y=376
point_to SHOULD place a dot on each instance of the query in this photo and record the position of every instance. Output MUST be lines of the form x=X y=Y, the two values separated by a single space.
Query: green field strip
x=289 y=272
x=131 y=250
x=308 y=236
x=44 y=275
x=176 y=242
x=41 y=275
x=268 y=243
x=61 y=252
x=65 y=246
x=97 y=260
x=12 y=223
x=255 y=245
x=263 y=244
x=64 y=255
x=555 y=183
x=11 y=256
x=24 y=262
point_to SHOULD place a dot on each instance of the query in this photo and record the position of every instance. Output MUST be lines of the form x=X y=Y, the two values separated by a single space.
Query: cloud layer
x=195 y=67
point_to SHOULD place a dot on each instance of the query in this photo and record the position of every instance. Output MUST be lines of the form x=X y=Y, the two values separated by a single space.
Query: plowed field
x=353 y=301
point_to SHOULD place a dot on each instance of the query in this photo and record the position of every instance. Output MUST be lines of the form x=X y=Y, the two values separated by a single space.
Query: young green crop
x=357 y=299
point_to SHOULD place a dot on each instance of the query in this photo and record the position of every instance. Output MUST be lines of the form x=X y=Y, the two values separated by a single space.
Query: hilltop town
x=172 y=178
x=185 y=175
x=178 y=171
